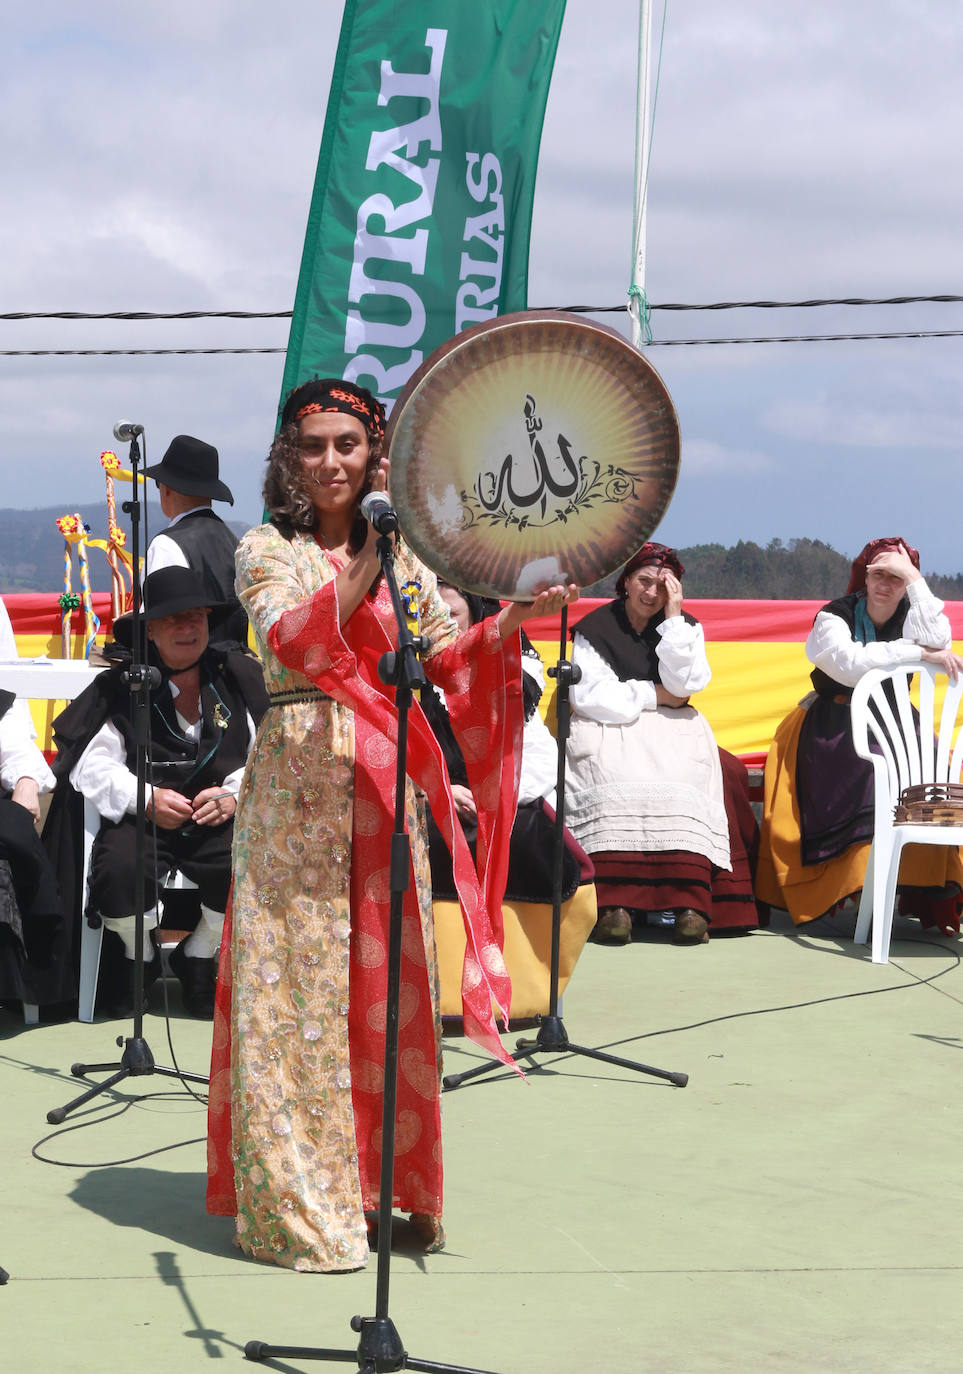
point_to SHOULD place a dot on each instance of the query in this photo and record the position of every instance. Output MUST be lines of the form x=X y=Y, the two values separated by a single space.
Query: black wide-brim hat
x=166 y=592
x=190 y=466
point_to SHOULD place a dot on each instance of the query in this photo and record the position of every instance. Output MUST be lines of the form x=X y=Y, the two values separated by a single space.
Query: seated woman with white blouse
x=818 y=812
x=662 y=811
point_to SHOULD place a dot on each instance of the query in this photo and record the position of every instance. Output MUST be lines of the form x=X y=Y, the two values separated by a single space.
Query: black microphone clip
x=379 y=512
x=124 y=431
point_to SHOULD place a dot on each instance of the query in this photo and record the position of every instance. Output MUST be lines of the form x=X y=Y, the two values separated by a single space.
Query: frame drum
x=533 y=449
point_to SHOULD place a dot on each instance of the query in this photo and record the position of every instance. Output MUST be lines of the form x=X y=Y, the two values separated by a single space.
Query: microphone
x=379 y=512
x=124 y=431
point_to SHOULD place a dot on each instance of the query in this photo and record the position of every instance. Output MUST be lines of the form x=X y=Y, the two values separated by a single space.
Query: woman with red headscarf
x=663 y=812
x=818 y=814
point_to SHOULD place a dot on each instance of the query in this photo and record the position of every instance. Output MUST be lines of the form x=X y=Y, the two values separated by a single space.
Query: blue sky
x=164 y=161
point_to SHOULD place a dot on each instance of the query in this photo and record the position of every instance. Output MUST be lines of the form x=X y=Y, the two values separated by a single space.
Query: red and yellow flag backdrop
x=756 y=651
x=757 y=655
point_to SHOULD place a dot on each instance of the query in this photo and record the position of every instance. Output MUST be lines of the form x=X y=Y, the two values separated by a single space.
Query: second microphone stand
x=380 y=1348
x=137 y=1061
x=552 y=1037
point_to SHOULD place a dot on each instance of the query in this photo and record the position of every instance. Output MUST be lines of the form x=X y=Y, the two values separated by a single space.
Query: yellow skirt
x=809 y=890
x=528 y=949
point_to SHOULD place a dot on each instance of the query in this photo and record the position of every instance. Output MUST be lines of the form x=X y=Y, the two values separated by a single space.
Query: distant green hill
x=32 y=548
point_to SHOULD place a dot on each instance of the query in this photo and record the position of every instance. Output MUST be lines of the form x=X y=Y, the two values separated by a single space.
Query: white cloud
x=841 y=421
x=702 y=457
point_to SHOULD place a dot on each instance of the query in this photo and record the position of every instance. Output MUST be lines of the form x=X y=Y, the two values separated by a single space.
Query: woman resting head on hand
x=818 y=814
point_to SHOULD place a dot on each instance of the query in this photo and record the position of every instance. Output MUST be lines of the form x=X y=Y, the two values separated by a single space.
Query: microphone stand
x=552 y=1037
x=136 y=1060
x=380 y=1347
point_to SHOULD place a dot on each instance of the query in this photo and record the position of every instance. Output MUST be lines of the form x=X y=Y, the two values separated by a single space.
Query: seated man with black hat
x=188 y=481
x=203 y=718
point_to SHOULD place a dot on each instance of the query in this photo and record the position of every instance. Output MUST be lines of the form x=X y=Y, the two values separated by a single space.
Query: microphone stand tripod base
x=380 y=1351
x=136 y=1062
x=552 y=1037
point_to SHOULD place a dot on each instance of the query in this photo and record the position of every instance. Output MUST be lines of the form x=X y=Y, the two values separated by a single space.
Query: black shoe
x=119 y=1001
x=198 y=980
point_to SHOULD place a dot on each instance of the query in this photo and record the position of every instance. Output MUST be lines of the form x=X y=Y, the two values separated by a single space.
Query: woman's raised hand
x=379 y=481
x=898 y=563
x=548 y=602
x=673 y=593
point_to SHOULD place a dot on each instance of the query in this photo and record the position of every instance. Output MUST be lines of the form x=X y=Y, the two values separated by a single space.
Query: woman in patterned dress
x=296 y=1084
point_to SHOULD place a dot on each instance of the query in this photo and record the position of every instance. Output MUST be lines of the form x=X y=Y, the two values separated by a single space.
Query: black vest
x=208 y=545
x=177 y=761
x=845 y=608
x=631 y=654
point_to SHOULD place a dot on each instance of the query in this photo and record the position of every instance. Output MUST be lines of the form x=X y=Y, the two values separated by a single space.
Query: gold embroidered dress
x=295 y=1110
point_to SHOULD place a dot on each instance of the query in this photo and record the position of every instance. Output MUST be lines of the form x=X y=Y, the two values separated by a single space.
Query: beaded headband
x=341 y=400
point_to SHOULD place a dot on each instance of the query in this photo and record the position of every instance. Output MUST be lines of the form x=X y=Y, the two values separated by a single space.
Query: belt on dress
x=297 y=696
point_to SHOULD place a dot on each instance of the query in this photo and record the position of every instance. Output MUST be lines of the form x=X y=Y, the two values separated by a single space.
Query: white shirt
x=19 y=755
x=683 y=667
x=163 y=552
x=831 y=646
x=539 y=771
x=102 y=776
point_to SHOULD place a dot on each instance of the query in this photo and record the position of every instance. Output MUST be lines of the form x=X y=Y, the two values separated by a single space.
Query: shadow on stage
x=165 y=1204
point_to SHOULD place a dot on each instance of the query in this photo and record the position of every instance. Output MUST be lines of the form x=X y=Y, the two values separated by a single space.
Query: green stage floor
x=796 y=1207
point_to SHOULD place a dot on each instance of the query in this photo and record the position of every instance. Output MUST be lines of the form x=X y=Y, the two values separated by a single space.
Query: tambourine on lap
x=533 y=449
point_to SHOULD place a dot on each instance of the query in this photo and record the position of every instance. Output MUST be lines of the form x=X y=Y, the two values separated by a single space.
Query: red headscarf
x=332 y=394
x=857 y=577
x=656 y=555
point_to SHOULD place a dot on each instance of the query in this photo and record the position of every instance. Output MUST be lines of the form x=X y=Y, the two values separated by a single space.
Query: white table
x=54 y=679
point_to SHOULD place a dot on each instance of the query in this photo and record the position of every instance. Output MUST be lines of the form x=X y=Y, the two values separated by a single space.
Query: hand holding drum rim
x=548 y=602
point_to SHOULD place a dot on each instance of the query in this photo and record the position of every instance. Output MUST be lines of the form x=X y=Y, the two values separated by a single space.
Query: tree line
x=799 y=569
x=31 y=560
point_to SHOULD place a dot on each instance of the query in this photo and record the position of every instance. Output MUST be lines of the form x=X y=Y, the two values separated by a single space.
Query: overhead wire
x=654 y=343
x=943 y=298
x=12 y=315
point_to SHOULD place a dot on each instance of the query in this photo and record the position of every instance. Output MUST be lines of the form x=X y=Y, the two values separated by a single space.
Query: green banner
x=421 y=212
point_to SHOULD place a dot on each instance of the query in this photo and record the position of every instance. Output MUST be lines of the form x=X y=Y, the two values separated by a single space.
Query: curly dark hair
x=286 y=499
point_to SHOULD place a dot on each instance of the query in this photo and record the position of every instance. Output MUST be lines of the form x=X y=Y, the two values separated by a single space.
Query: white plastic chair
x=908 y=757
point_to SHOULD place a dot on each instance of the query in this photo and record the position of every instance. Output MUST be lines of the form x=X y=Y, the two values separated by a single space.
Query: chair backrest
x=905 y=754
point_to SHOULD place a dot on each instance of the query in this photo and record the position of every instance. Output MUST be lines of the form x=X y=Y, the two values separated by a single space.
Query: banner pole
x=643 y=134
